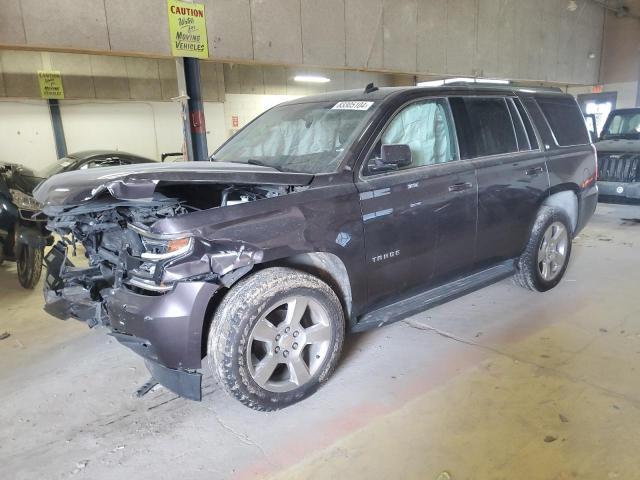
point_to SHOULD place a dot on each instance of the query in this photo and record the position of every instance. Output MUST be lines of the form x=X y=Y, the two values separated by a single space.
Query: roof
x=383 y=93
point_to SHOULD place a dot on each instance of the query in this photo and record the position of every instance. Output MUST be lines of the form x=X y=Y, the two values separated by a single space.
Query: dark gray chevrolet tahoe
x=326 y=214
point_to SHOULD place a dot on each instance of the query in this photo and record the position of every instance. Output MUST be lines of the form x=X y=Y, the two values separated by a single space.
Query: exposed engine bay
x=121 y=251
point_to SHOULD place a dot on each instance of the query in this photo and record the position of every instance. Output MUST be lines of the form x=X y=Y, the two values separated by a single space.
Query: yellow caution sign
x=50 y=84
x=188 y=29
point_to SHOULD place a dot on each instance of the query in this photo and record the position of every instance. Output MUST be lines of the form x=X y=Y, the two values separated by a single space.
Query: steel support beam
x=190 y=97
x=183 y=99
x=58 y=130
x=196 y=109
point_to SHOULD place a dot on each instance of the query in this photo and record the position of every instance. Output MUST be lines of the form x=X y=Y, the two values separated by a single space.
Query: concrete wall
x=128 y=78
x=102 y=77
x=277 y=80
x=621 y=63
x=521 y=39
x=620 y=71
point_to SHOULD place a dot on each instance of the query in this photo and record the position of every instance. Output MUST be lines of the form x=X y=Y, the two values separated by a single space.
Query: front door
x=420 y=219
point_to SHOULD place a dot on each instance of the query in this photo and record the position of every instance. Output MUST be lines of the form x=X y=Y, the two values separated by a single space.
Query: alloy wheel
x=552 y=253
x=289 y=343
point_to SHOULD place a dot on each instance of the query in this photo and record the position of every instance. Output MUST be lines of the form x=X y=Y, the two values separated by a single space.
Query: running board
x=434 y=297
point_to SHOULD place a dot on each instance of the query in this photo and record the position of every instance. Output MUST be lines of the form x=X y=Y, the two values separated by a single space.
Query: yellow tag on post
x=188 y=29
x=50 y=84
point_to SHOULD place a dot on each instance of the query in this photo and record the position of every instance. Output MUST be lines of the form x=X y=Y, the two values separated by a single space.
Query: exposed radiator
x=619 y=167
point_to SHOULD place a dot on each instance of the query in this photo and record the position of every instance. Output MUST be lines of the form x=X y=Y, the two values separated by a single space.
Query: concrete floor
x=500 y=384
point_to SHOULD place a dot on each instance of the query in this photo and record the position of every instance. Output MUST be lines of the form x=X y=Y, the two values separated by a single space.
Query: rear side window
x=565 y=119
x=491 y=126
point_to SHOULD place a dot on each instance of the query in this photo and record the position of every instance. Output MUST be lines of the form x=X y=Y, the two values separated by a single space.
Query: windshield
x=58 y=166
x=623 y=125
x=305 y=137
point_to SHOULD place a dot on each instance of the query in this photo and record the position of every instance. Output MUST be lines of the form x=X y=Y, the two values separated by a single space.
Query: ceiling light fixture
x=311 y=79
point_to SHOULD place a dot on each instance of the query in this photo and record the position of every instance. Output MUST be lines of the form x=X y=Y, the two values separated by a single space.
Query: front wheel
x=29 y=264
x=547 y=254
x=276 y=337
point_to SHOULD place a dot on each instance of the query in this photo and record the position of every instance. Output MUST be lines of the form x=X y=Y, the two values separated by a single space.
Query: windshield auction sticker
x=188 y=29
x=352 y=105
x=50 y=84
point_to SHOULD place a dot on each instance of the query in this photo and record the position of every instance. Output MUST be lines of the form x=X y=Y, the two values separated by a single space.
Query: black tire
x=248 y=302
x=528 y=269
x=29 y=264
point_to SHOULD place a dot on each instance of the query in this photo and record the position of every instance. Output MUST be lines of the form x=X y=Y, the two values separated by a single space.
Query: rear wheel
x=547 y=254
x=29 y=263
x=275 y=338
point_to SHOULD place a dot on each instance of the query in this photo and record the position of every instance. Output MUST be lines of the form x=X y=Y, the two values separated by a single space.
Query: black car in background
x=619 y=157
x=23 y=235
x=327 y=214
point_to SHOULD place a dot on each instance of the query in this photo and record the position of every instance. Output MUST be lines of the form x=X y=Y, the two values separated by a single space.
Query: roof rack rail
x=525 y=88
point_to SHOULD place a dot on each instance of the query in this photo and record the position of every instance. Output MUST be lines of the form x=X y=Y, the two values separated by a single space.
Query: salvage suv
x=327 y=214
x=619 y=156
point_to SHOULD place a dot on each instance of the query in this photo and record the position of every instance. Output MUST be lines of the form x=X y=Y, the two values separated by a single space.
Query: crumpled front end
x=151 y=290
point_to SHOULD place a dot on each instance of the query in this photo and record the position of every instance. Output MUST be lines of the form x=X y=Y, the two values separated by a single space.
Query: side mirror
x=398 y=154
x=392 y=157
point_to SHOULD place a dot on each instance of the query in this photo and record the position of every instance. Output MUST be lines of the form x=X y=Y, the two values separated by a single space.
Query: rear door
x=567 y=143
x=419 y=221
x=511 y=171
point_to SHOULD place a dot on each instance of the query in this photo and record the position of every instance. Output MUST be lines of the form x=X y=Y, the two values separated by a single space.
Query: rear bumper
x=587 y=206
x=619 y=190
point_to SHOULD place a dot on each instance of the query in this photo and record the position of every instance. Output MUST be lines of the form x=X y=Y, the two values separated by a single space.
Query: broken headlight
x=24 y=201
x=161 y=247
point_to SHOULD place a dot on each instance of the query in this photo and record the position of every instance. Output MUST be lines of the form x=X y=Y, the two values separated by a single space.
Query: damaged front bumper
x=165 y=329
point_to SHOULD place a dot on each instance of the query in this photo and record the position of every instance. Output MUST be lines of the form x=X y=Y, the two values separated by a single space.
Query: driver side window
x=426 y=127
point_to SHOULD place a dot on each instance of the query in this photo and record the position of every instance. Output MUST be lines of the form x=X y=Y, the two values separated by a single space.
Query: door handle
x=534 y=171
x=459 y=187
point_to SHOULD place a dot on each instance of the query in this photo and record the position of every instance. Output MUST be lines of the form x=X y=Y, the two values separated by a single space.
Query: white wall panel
x=246 y=107
x=25 y=133
x=144 y=128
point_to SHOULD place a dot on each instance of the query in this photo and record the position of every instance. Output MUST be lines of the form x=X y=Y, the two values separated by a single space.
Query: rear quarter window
x=565 y=119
